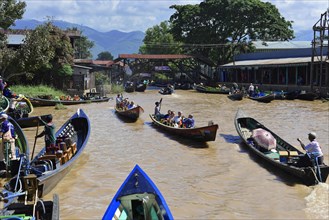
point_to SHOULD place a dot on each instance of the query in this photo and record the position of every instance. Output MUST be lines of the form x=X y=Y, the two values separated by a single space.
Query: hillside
x=116 y=42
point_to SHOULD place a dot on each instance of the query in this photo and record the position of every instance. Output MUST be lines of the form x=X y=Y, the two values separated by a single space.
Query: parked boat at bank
x=38 y=102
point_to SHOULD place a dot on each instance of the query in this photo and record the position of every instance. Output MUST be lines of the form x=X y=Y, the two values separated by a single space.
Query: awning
x=283 y=62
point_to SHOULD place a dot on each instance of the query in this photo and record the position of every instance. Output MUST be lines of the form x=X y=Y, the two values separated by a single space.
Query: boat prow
x=138 y=198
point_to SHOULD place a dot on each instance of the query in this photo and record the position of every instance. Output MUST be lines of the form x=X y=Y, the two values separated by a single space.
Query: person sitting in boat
x=177 y=120
x=188 y=122
x=251 y=90
x=167 y=117
x=118 y=100
x=313 y=151
x=131 y=105
x=8 y=135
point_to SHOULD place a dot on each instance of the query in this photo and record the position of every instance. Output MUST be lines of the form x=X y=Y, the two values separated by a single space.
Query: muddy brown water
x=216 y=180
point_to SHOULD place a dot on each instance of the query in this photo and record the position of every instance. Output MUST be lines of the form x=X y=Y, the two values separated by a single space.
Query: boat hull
x=138 y=189
x=38 y=102
x=132 y=114
x=204 y=134
x=244 y=126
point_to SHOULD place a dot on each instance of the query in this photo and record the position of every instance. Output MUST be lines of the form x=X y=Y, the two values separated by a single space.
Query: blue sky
x=132 y=15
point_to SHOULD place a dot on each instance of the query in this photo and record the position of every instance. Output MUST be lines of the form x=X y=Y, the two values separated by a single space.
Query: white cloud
x=131 y=15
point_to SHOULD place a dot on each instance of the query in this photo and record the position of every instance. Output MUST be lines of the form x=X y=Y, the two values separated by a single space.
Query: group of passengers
x=171 y=119
x=124 y=103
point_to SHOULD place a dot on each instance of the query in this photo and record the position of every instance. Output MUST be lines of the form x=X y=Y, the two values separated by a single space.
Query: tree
x=10 y=11
x=159 y=40
x=46 y=56
x=82 y=46
x=105 y=55
x=221 y=28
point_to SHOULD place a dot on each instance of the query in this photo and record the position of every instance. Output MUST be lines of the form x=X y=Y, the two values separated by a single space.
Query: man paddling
x=313 y=150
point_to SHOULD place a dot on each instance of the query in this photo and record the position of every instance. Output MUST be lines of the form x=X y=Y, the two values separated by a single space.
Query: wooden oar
x=160 y=104
x=35 y=140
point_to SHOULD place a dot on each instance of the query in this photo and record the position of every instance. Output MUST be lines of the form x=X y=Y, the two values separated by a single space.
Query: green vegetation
x=34 y=91
x=60 y=106
x=116 y=88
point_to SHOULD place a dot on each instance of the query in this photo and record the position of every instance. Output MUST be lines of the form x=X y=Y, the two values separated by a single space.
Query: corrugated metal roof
x=270 y=45
x=154 y=56
x=299 y=61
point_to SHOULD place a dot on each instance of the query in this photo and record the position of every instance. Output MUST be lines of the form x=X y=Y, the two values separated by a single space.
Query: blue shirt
x=6 y=126
x=188 y=122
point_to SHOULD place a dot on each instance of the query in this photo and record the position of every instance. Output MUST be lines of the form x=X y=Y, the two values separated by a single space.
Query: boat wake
x=317 y=202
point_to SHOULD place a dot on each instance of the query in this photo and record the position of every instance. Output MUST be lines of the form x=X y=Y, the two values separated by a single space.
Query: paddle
x=160 y=104
x=35 y=139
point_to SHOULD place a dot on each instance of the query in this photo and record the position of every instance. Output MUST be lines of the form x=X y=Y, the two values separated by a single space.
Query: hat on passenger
x=312 y=134
x=3 y=116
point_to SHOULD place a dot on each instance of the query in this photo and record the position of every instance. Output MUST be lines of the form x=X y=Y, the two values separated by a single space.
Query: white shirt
x=314 y=148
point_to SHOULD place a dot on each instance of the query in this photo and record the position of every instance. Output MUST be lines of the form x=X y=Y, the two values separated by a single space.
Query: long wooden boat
x=50 y=167
x=38 y=102
x=33 y=121
x=138 y=198
x=284 y=157
x=132 y=113
x=210 y=89
x=10 y=167
x=141 y=87
x=206 y=133
x=236 y=96
x=265 y=98
x=36 y=210
x=308 y=96
x=166 y=91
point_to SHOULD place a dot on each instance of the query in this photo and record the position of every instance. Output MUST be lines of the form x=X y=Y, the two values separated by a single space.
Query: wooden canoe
x=33 y=121
x=308 y=175
x=138 y=198
x=206 y=133
x=22 y=147
x=210 y=89
x=132 y=113
x=49 y=168
x=236 y=96
x=265 y=98
x=38 y=102
x=141 y=87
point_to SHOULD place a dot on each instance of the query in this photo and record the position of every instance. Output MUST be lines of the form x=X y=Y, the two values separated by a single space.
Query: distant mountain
x=115 y=42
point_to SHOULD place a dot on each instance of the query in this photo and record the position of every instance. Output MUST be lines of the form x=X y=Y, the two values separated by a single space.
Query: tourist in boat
x=49 y=133
x=7 y=133
x=131 y=105
x=313 y=151
x=251 y=90
x=188 y=122
x=177 y=120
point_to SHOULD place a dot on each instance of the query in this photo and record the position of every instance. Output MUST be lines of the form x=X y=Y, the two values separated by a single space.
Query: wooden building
x=280 y=69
